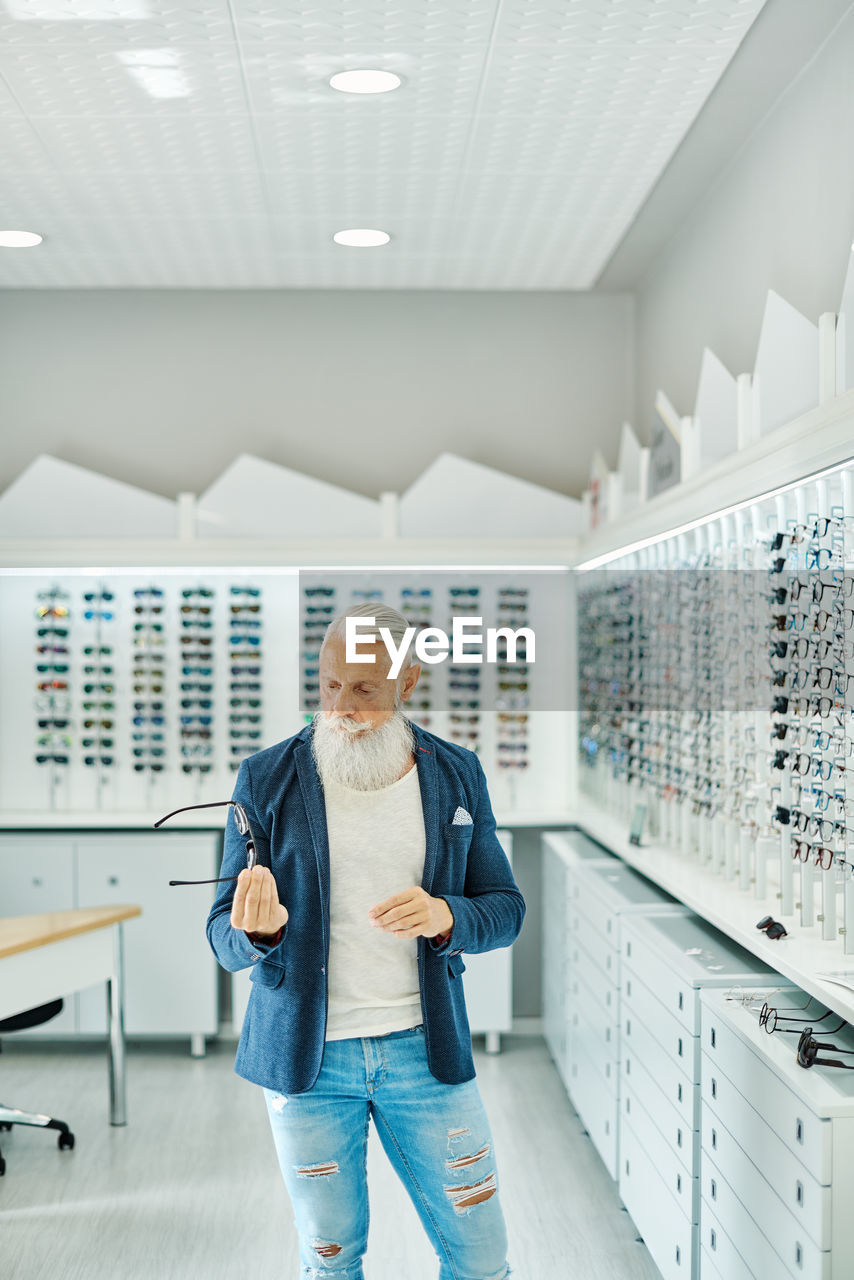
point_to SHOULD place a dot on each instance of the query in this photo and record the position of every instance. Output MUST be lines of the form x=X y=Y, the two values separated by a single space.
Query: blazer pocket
x=459 y=830
x=455 y=966
x=266 y=974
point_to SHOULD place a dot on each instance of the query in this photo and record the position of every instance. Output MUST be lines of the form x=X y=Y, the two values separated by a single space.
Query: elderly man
x=379 y=866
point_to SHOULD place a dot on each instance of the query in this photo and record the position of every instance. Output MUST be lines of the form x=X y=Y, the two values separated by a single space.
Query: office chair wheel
x=3 y=1125
x=65 y=1141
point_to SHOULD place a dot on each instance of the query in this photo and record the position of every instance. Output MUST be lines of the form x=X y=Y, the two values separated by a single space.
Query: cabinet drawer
x=780 y=1239
x=641 y=1051
x=808 y=1137
x=717 y=1249
x=588 y=975
x=604 y=956
x=667 y=1233
x=639 y=1007
x=589 y=1019
x=595 y=1100
x=594 y=911
x=675 y=993
x=682 y=1139
x=675 y=1173
x=724 y=1113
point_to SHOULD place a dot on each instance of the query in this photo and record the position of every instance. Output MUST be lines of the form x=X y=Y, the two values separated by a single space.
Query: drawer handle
x=609 y=926
x=714 y=1042
x=799 y=1255
x=628 y=948
x=679 y=1137
x=112 y=879
x=714 y=1087
x=628 y=1066
x=799 y=1192
x=680 y=1046
x=680 y=1000
x=714 y=1189
x=607 y=1035
x=715 y=1139
x=628 y=1026
x=627 y=1169
x=713 y=1239
x=628 y=1106
x=679 y=1182
x=607 y=1126
x=799 y=1131
x=678 y=1255
x=628 y=986
x=679 y=1092
x=38 y=882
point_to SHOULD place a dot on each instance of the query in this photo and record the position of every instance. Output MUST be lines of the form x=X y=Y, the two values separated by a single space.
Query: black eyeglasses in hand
x=243 y=827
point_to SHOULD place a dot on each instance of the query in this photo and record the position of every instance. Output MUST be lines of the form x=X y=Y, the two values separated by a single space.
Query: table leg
x=116 y=1039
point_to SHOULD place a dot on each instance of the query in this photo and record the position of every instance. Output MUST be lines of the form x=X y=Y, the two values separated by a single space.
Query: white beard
x=364 y=759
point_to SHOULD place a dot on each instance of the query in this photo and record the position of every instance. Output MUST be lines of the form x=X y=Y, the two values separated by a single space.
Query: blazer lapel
x=315 y=808
x=428 y=781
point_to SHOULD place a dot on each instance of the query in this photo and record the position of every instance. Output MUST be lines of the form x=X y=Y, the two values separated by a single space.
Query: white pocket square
x=462 y=818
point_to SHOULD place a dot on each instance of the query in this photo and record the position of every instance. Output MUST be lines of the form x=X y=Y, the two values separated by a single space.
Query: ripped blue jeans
x=436 y=1136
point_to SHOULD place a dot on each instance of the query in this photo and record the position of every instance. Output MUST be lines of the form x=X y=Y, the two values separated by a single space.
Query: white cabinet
x=667 y=959
x=170 y=971
x=584 y=1013
x=777 y=1144
x=562 y=850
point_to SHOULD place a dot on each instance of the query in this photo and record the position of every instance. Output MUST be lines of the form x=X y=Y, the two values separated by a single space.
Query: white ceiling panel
x=523 y=142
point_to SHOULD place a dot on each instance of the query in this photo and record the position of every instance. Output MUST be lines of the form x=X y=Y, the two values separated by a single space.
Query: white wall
x=780 y=216
x=162 y=388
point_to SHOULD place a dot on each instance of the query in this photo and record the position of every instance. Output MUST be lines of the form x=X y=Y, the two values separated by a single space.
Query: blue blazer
x=284 y=1029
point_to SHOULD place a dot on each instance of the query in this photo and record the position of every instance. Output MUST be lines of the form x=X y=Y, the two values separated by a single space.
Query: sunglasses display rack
x=483 y=708
x=128 y=688
x=716 y=674
x=246 y=686
x=318 y=609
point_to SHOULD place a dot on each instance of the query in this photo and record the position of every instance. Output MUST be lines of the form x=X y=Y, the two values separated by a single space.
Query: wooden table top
x=23 y=933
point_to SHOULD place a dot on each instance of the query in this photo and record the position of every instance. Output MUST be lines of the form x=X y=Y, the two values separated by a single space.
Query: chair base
x=11 y=1115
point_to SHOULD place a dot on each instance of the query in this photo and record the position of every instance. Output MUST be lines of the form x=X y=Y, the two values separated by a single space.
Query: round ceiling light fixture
x=361 y=238
x=365 y=81
x=19 y=239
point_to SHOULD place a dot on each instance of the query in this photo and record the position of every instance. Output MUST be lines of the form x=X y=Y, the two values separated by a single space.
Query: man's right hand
x=256 y=907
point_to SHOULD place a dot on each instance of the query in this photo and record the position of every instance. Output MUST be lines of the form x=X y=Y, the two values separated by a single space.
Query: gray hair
x=384 y=616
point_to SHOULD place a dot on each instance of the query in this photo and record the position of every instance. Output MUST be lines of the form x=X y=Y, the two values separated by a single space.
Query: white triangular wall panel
x=716 y=410
x=786 y=364
x=846 y=310
x=255 y=498
x=456 y=498
x=56 y=499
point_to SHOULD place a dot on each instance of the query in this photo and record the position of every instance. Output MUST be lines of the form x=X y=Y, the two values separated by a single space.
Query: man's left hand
x=411 y=914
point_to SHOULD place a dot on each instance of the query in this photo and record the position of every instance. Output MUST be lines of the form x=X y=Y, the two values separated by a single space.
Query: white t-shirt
x=376 y=849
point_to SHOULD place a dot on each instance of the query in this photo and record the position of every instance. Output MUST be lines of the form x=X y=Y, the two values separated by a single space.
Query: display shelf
x=81 y=821
x=820 y=439
x=800 y=956
x=20 y=554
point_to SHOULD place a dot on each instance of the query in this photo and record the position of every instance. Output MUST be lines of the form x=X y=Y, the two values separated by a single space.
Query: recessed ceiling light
x=365 y=81
x=361 y=238
x=19 y=239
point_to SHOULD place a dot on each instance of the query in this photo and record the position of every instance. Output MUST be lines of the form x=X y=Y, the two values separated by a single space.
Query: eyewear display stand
x=777 y=1145
x=667 y=960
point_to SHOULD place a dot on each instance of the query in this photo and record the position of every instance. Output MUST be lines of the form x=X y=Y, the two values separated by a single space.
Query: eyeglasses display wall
x=716 y=686
x=492 y=707
x=126 y=691
x=139 y=691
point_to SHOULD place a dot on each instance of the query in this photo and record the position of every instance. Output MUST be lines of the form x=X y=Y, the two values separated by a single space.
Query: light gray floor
x=190 y=1189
